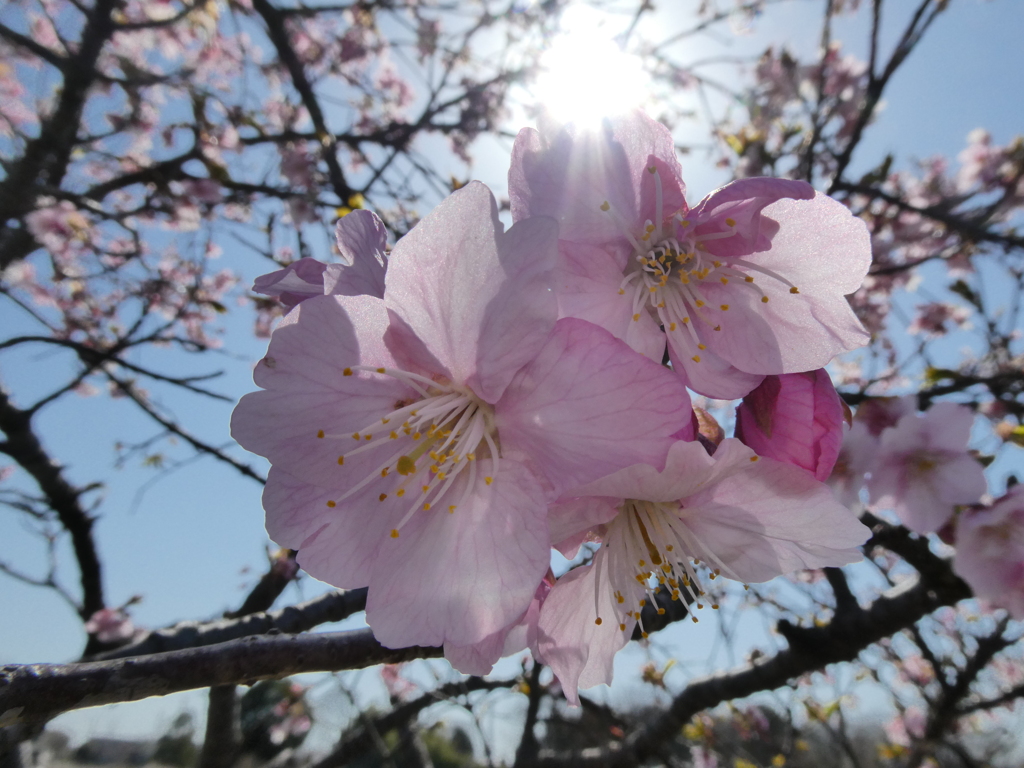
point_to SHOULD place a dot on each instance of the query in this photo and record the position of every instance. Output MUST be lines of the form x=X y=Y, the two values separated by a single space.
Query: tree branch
x=810 y=649
x=24 y=447
x=39 y=692
x=333 y=606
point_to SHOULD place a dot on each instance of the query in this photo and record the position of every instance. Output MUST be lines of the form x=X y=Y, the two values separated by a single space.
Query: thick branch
x=220 y=747
x=39 y=692
x=24 y=447
x=278 y=33
x=46 y=157
x=333 y=606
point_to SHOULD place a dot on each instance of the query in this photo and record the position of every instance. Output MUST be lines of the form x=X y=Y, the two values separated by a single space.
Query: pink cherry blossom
x=990 y=551
x=751 y=281
x=856 y=458
x=383 y=420
x=796 y=418
x=923 y=469
x=746 y=518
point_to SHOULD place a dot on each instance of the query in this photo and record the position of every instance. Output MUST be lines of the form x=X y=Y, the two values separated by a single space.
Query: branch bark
x=39 y=692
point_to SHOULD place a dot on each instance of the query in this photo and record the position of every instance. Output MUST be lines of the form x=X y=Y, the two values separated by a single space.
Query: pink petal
x=990 y=551
x=295 y=509
x=458 y=577
x=344 y=550
x=570 y=520
x=588 y=289
x=588 y=405
x=469 y=297
x=769 y=519
x=742 y=201
x=297 y=282
x=364 y=278
x=796 y=418
x=477 y=659
x=569 y=176
x=580 y=651
x=361 y=236
x=711 y=376
x=306 y=391
x=825 y=251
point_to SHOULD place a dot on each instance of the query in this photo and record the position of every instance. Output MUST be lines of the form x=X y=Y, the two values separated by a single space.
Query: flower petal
x=711 y=376
x=458 y=577
x=306 y=391
x=469 y=297
x=569 y=176
x=361 y=236
x=588 y=405
x=742 y=201
x=770 y=518
x=824 y=251
x=589 y=289
x=580 y=651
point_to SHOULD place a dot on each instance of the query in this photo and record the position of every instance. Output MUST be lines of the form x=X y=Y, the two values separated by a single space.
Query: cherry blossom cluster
x=439 y=417
x=919 y=466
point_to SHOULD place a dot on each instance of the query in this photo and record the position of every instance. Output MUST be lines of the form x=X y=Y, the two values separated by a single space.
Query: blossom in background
x=111 y=625
x=922 y=467
x=796 y=418
x=383 y=420
x=856 y=458
x=990 y=551
x=751 y=281
x=740 y=516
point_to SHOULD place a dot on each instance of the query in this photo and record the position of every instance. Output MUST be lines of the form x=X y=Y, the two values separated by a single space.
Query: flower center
x=647 y=544
x=670 y=263
x=425 y=445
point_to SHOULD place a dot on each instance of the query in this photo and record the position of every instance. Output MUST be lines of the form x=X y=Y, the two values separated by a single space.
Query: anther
x=347 y=372
x=341 y=460
x=605 y=206
x=394 y=533
x=382 y=497
x=794 y=289
x=764 y=299
x=598 y=621
x=320 y=434
x=331 y=504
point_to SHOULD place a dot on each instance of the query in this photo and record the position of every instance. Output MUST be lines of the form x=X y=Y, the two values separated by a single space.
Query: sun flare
x=585 y=75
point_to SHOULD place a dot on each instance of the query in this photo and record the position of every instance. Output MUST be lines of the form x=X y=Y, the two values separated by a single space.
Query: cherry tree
x=557 y=426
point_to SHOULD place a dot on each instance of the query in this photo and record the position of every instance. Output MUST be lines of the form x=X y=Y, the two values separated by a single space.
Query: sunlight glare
x=585 y=76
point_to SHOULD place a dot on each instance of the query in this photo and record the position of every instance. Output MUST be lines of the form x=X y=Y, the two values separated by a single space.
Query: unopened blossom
x=750 y=281
x=361 y=240
x=416 y=439
x=796 y=418
x=990 y=551
x=733 y=514
x=923 y=469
